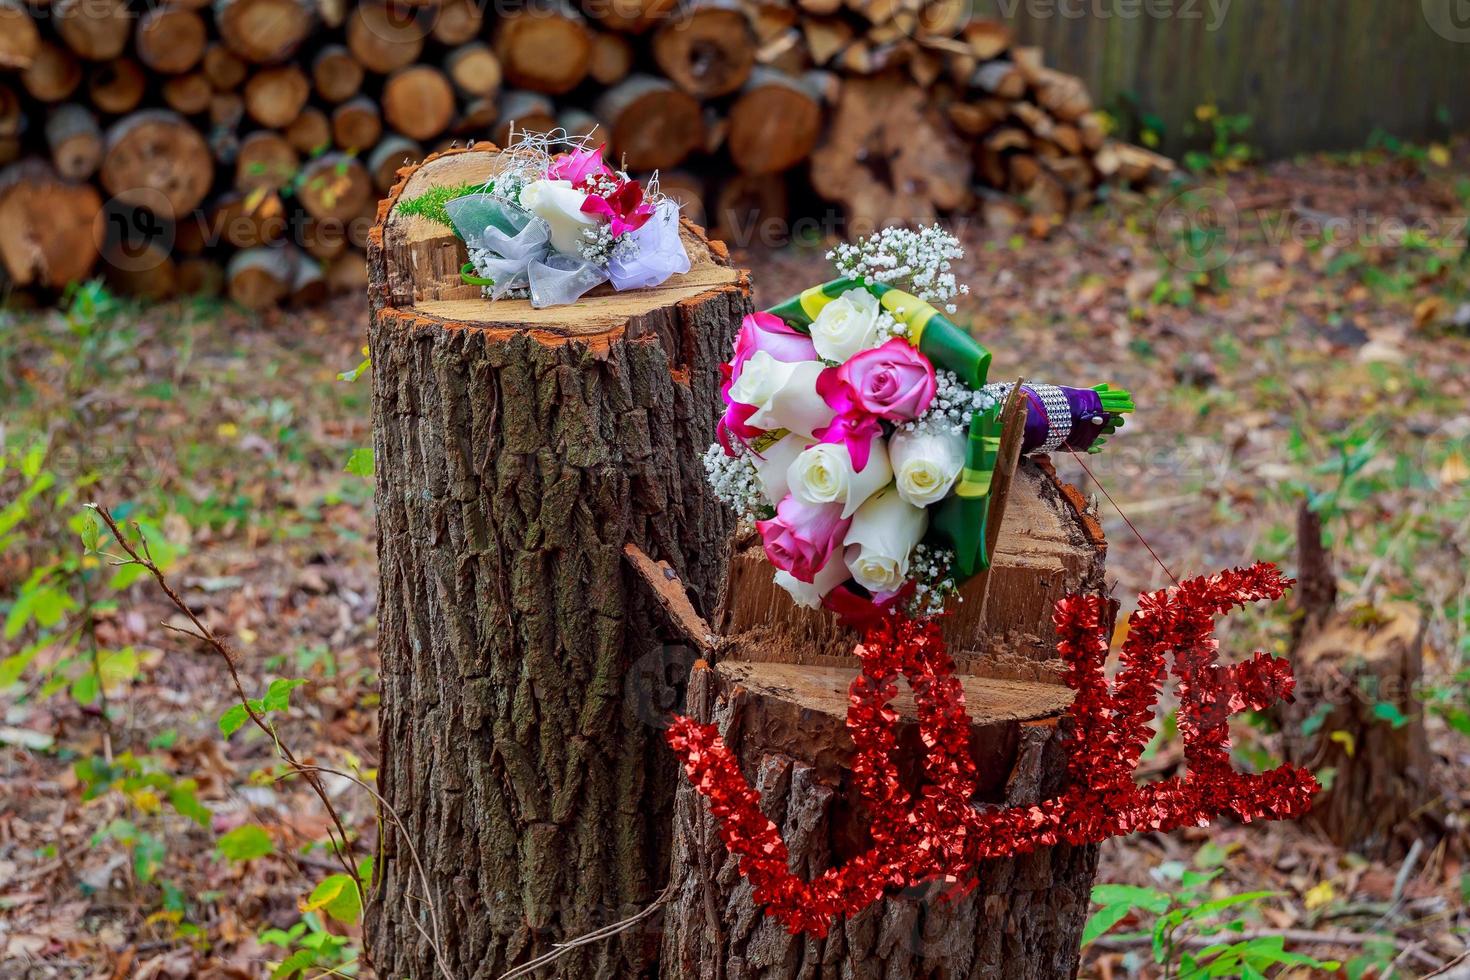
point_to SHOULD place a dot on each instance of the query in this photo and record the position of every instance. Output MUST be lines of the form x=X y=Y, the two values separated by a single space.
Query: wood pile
x=243 y=145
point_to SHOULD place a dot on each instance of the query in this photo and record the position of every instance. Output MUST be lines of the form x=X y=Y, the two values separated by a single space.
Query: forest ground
x=1316 y=349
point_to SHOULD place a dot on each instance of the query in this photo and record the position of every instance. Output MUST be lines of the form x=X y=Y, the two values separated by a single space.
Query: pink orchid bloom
x=854 y=425
x=578 y=165
x=624 y=207
x=856 y=431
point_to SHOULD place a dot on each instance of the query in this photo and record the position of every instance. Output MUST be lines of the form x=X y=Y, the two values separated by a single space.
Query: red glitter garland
x=941 y=834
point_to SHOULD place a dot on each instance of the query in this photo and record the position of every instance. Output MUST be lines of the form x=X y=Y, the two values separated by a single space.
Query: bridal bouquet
x=552 y=227
x=860 y=433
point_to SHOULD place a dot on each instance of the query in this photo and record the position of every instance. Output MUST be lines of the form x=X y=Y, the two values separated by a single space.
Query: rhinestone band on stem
x=1053 y=401
x=1058 y=416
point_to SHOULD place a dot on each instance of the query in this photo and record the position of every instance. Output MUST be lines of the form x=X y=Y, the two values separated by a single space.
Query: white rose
x=559 y=204
x=926 y=464
x=847 y=325
x=810 y=594
x=784 y=394
x=772 y=462
x=824 y=474
x=882 y=536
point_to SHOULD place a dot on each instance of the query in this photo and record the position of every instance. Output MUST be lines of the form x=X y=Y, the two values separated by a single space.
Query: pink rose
x=769 y=333
x=893 y=382
x=802 y=536
x=734 y=427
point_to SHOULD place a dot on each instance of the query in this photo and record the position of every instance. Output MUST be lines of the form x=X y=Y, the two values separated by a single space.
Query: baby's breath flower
x=953 y=405
x=929 y=568
x=597 y=244
x=889 y=326
x=735 y=481
x=916 y=259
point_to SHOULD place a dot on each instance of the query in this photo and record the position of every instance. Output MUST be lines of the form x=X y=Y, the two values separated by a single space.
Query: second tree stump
x=779 y=696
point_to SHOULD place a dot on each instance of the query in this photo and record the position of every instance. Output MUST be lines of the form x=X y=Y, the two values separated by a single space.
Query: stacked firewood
x=243 y=146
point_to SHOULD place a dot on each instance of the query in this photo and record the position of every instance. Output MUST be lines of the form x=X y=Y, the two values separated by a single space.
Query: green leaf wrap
x=940 y=339
x=959 y=521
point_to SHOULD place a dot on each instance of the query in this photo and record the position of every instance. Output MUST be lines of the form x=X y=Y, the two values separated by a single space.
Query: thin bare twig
x=418 y=864
x=596 y=935
x=207 y=636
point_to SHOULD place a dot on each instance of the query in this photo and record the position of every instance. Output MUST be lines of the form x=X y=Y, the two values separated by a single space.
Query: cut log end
x=418 y=102
x=424 y=258
x=48 y=227
x=263 y=31
x=709 y=50
x=156 y=160
x=20 y=42
x=652 y=124
x=545 y=48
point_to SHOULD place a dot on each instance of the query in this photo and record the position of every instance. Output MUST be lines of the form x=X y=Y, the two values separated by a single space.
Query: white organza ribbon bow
x=514 y=252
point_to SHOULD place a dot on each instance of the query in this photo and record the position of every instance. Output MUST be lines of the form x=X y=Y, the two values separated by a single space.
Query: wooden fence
x=1314 y=74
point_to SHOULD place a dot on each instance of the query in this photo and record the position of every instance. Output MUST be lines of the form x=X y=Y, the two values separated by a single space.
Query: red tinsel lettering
x=941 y=834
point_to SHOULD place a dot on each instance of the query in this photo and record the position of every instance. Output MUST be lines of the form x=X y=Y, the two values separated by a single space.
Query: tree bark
x=1359 y=715
x=779 y=695
x=517 y=451
x=1358 y=710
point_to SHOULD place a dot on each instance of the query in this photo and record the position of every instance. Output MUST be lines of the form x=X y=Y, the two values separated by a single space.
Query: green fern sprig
x=431 y=203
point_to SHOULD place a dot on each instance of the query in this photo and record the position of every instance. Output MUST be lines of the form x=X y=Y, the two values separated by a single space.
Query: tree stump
x=517 y=451
x=1358 y=713
x=779 y=695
